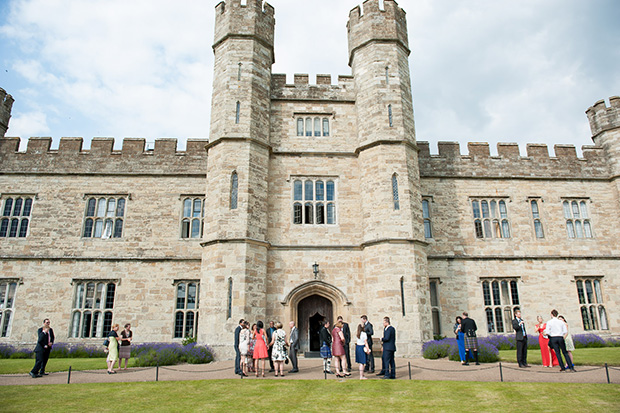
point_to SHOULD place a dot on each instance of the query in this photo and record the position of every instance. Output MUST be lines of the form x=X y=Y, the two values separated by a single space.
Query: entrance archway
x=311 y=312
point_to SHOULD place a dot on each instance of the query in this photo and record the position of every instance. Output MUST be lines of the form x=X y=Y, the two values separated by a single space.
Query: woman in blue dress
x=460 y=340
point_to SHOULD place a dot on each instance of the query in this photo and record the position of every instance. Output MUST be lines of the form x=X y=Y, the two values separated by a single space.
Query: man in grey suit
x=294 y=347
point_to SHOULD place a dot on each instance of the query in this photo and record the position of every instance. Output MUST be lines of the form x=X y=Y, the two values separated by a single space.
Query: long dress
x=244 y=341
x=112 y=347
x=260 y=348
x=460 y=341
x=548 y=356
x=278 y=352
x=337 y=346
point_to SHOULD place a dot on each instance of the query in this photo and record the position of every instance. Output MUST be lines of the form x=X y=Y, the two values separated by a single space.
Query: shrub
x=613 y=342
x=166 y=354
x=22 y=354
x=588 y=340
x=436 y=349
x=487 y=353
x=500 y=342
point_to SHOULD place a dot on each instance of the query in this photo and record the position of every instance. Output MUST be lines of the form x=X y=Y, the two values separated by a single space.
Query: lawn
x=581 y=356
x=15 y=366
x=304 y=395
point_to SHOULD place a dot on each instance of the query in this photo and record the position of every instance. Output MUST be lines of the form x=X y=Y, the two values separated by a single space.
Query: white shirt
x=363 y=337
x=555 y=328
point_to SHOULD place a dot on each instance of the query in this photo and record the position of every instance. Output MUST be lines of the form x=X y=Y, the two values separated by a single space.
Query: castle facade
x=307 y=202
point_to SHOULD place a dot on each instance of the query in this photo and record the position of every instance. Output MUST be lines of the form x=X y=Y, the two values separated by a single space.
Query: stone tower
x=394 y=246
x=605 y=127
x=6 y=103
x=234 y=257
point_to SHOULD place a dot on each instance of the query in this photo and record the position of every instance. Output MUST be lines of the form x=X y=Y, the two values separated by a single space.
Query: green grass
x=581 y=356
x=20 y=366
x=305 y=395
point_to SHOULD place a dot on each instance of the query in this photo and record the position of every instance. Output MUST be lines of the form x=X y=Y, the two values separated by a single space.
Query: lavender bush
x=613 y=342
x=436 y=349
x=166 y=354
x=588 y=340
x=500 y=342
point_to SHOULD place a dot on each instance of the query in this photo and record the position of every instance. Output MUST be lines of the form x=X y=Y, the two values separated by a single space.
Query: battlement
x=101 y=158
x=301 y=89
x=254 y=19
x=510 y=164
x=6 y=104
x=603 y=118
x=371 y=23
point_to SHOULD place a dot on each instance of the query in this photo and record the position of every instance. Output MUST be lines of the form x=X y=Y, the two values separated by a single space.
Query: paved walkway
x=311 y=369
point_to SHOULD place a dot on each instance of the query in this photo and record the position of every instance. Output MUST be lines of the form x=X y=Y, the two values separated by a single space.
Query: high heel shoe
x=263 y=373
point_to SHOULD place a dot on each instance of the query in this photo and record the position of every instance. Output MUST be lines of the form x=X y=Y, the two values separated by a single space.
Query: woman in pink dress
x=548 y=356
x=260 y=348
x=338 y=350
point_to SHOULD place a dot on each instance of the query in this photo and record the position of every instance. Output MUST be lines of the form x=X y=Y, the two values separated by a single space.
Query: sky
x=482 y=70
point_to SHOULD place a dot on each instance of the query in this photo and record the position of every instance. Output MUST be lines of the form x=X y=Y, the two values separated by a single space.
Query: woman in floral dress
x=278 y=346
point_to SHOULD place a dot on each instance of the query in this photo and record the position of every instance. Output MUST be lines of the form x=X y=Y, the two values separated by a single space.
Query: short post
x=501 y=374
x=69 y=376
x=409 y=369
x=607 y=372
x=325 y=374
x=157 y=372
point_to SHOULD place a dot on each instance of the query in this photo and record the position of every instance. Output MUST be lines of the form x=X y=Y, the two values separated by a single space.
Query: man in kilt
x=468 y=326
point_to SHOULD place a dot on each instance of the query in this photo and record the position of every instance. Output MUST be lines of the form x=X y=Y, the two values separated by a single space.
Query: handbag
x=106 y=343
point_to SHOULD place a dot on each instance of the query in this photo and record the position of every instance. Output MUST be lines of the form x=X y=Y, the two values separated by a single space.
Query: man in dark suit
x=237 y=353
x=42 y=350
x=469 y=328
x=370 y=363
x=521 y=335
x=294 y=347
x=270 y=332
x=47 y=351
x=346 y=332
x=389 y=348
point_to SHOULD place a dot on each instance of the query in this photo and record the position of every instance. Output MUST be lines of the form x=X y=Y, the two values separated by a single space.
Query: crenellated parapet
x=301 y=89
x=370 y=23
x=6 y=104
x=603 y=118
x=133 y=159
x=538 y=164
x=255 y=19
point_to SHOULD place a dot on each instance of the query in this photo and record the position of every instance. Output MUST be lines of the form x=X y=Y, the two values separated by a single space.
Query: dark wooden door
x=311 y=311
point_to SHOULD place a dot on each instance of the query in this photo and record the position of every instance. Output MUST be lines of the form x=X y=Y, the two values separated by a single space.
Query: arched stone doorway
x=311 y=312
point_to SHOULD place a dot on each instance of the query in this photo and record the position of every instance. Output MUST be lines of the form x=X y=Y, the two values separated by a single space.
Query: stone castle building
x=307 y=201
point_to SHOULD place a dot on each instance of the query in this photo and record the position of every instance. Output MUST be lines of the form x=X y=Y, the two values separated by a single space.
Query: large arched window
x=314 y=201
x=8 y=289
x=186 y=309
x=193 y=216
x=490 y=218
x=93 y=306
x=15 y=216
x=104 y=217
x=500 y=296
x=577 y=219
x=592 y=308
x=312 y=126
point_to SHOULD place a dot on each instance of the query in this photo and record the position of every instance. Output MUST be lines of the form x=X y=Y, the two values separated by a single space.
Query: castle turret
x=6 y=103
x=605 y=127
x=235 y=249
x=389 y=174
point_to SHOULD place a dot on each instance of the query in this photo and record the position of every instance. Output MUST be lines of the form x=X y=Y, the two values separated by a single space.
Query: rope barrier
x=455 y=371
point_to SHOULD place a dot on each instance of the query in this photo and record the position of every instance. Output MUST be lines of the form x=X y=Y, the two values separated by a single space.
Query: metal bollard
x=607 y=372
x=409 y=369
x=325 y=374
x=501 y=374
x=69 y=376
x=157 y=372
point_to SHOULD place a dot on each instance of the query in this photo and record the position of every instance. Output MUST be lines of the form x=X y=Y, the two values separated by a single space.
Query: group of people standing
x=254 y=344
x=118 y=347
x=553 y=336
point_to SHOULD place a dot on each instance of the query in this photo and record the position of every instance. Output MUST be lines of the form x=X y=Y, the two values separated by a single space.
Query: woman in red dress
x=260 y=348
x=548 y=356
x=338 y=350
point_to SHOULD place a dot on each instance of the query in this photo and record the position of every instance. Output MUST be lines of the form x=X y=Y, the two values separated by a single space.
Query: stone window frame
x=301 y=207
x=427 y=216
x=93 y=215
x=535 y=207
x=313 y=124
x=189 y=222
x=591 y=303
x=577 y=217
x=490 y=224
x=180 y=327
x=94 y=320
x=8 y=294
x=500 y=298
x=435 y=305
x=16 y=223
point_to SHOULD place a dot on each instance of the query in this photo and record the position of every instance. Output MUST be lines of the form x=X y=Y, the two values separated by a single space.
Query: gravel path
x=311 y=369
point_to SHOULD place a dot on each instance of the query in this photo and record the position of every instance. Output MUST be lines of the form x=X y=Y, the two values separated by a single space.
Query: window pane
x=101 y=207
x=580 y=294
x=27 y=207
x=320 y=213
x=189 y=324
x=584 y=209
x=487 y=229
x=497 y=230
x=79 y=296
x=325 y=127
x=191 y=296
x=485 y=209
x=118 y=228
x=4 y=227
x=111 y=207
x=23 y=228
x=98 y=228
x=587 y=230
x=99 y=295
x=505 y=229
x=514 y=292
x=237 y=112
x=535 y=213
x=428 y=232
x=390 y=120
x=425 y=210
x=308 y=191
x=503 y=213
x=538 y=229
x=585 y=318
x=178 y=325
x=107 y=230
x=97 y=323
x=566 y=207
x=181 y=296
x=109 y=299
x=197 y=208
x=505 y=295
x=486 y=293
x=499 y=320
x=234 y=190
x=331 y=213
x=308 y=213
x=300 y=127
x=90 y=208
x=597 y=291
x=575 y=208
x=478 y=228
x=3 y=288
x=436 y=322
x=187 y=208
x=320 y=190
x=8 y=206
x=570 y=229
x=603 y=317
x=589 y=292
x=490 y=323
x=107 y=321
x=120 y=207
x=434 y=297
x=578 y=229
x=88 y=228
x=75 y=324
x=317 y=127
x=331 y=191
x=11 y=295
x=196 y=228
x=593 y=317
x=86 y=322
x=508 y=317
x=297 y=213
x=14 y=226
x=496 y=297
x=308 y=127
x=493 y=207
x=476 y=209
x=17 y=209
x=297 y=190
x=90 y=295
x=6 y=323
